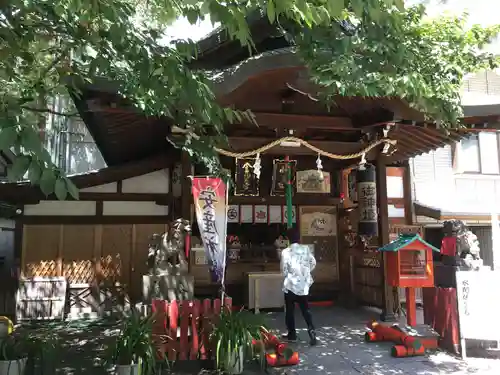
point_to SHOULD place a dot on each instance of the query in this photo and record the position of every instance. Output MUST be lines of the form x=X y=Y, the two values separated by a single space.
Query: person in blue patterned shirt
x=297 y=263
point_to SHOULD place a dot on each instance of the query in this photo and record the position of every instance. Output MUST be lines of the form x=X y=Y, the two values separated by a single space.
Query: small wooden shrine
x=409 y=262
x=409 y=265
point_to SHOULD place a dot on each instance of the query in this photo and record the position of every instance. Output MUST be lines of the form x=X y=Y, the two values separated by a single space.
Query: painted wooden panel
x=61 y=208
x=120 y=208
x=106 y=188
x=155 y=182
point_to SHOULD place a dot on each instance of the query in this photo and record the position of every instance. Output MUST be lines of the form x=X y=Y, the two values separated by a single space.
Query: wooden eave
x=442 y=215
x=121 y=136
x=258 y=83
x=24 y=192
x=218 y=51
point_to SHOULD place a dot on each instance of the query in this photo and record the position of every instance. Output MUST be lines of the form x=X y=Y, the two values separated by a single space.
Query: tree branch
x=46 y=110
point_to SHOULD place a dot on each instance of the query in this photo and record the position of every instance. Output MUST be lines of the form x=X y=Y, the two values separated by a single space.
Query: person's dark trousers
x=302 y=301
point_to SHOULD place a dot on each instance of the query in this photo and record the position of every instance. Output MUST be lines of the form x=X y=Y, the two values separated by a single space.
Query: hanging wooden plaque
x=285 y=214
x=275 y=215
x=246 y=213
x=311 y=181
x=246 y=182
x=233 y=213
x=280 y=176
x=260 y=214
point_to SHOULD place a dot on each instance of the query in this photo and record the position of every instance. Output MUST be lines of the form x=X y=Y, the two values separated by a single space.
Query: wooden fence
x=181 y=329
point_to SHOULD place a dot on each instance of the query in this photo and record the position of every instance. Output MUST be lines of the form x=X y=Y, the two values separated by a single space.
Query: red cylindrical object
x=280 y=348
x=386 y=333
x=371 y=337
x=399 y=351
x=274 y=360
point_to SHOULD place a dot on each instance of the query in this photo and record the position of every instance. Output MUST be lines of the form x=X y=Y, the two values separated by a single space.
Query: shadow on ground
x=81 y=345
x=341 y=349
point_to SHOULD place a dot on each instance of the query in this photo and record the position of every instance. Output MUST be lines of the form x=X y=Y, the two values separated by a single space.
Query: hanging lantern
x=367 y=200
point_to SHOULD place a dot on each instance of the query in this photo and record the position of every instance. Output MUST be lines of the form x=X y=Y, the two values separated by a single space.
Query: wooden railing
x=181 y=329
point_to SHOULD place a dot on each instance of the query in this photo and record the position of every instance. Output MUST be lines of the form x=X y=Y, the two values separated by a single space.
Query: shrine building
x=100 y=242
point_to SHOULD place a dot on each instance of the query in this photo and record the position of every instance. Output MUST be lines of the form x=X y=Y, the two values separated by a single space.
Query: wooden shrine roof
x=405 y=240
x=275 y=86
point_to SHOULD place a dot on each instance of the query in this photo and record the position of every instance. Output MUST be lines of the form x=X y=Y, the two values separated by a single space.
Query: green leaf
x=358 y=7
x=400 y=5
x=72 y=189
x=335 y=8
x=18 y=169
x=271 y=11
x=192 y=16
x=60 y=189
x=30 y=140
x=34 y=172
x=47 y=182
x=8 y=137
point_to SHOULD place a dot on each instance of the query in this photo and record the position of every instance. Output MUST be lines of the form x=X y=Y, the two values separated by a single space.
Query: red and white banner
x=210 y=202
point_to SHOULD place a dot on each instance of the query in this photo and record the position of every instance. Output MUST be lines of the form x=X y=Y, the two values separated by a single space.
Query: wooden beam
x=298 y=199
x=411 y=147
x=427 y=211
x=300 y=121
x=421 y=137
x=80 y=220
x=436 y=133
x=30 y=194
x=242 y=144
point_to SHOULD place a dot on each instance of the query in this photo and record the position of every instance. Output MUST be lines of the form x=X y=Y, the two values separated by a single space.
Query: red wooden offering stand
x=181 y=328
x=409 y=265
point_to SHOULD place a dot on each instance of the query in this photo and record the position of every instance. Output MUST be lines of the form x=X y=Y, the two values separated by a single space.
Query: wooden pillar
x=407 y=194
x=186 y=201
x=17 y=259
x=411 y=307
x=383 y=237
x=186 y=197
x=60 y=251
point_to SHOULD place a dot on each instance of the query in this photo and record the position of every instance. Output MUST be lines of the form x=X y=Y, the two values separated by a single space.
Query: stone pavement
x=343 y=351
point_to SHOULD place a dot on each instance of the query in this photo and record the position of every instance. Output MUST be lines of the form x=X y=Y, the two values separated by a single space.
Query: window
x=479 y=154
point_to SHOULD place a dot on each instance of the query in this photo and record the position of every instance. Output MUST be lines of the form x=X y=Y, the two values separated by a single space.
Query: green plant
x=235 y=332
x=37 y=349
x=134 y=345
x=49 y=49
x=14 y=347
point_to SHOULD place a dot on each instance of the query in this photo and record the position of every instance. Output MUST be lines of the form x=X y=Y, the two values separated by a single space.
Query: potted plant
x=19 y=351
x=14 y=352
x=232 y=337
x=133 y=352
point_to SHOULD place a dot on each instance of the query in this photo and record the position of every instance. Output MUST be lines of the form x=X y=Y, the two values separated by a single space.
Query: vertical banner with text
x=209 y=195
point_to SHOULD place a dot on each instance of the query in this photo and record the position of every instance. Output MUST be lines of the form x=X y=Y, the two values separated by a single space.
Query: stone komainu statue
x=168 y=276
x=468 y=251
x=166 y=251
